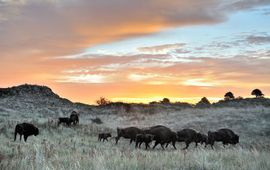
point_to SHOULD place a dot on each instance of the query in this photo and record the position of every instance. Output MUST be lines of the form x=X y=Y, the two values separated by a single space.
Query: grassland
x=78 y=147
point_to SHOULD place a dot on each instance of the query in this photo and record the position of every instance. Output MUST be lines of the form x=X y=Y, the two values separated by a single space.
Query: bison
x=104 y=136
x=65 y=120
x=204 y=139
x=128 y=133
x=25 y=129
x=226 y=136
x=188 y=136
x=74 y=118
x=162 y=135
x=144 y=138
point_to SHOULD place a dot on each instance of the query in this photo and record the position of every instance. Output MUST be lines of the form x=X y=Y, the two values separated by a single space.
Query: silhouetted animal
x=162 y=135
x=25 y=129
x=204 y=139
x=188 y=136
x=65 y=120
x=226 y=136
x=97 y=120
x=104 y=136
x=144 y=138
x=74 y=118
x=128 y=133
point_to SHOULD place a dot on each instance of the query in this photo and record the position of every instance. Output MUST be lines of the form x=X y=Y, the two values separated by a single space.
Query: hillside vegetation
x=77 y=147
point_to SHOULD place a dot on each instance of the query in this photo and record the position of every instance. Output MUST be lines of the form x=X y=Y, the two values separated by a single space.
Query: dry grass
x=78 y=148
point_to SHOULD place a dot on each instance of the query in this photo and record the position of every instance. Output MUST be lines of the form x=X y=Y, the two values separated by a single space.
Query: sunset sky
x=137 y=50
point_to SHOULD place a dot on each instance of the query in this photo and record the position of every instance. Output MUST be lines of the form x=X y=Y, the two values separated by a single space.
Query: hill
x=77 y=147
x=38 y=101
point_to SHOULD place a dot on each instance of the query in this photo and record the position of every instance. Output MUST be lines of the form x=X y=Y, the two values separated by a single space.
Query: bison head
x=150 y=137
x=108 y=135
x=235 y=139
x=36 y=131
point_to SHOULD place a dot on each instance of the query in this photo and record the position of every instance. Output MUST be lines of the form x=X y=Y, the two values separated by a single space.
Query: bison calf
x=104 y=136
x=25 y=129
x=65 y=120
x=144 y=138
x=188 y=136
x=226 y=136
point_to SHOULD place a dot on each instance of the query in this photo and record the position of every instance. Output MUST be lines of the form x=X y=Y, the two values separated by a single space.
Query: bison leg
x=130 y=141
x=15 y=135
x=156 y=143
x=140 y=144
x=187 y=145
x=196 y=144
x=146 y=145
x=116 y=139
x=167 y=144
x=212 y=144
x=20 y=137
x=25 y=137
x=162 y=146
x=173 y=143
x=136 y=145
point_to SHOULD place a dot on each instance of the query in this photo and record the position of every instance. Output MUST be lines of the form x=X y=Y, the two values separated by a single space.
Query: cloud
x=257 y=39
x=83 y=78
x=161 y=49
x=59 y=28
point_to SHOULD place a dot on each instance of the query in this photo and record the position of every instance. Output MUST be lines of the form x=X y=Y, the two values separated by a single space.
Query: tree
x=204 y=100
x=102 y=101
x=165 y=101
x=203 y=103
x=228 y=96
x=257 y=93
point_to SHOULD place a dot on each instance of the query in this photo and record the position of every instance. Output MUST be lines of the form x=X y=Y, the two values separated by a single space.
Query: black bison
x=25 y=129
x=188 y=136
x=74 y=118
x=104 y=136
x=226 y=136
x=128 y=133
x=204 y=139
x=65 y=120
x=144 y=138
x=162 y=135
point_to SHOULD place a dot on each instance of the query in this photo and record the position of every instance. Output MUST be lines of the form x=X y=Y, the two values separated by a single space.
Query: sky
x=137 y=51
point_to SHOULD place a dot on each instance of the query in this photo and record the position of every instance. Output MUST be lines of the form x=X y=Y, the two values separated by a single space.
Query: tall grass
x=63 y=148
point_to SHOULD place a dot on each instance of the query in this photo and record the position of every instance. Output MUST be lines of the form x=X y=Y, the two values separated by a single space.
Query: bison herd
x=164 y=136
x=161 y=135
x=27 y=129
x=72 y=119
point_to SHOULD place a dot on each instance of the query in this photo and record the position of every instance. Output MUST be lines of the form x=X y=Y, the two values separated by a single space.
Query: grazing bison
x=204 y=139
x=25 y=129
x=188 y=136
x=128 y=133
x=74 y=118
x=162 y=135
x=144 y=138
x=104 y=136
x=65 y=120
x=226 y=136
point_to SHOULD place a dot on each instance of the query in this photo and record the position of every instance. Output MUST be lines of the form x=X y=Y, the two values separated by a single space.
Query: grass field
x=78 y=147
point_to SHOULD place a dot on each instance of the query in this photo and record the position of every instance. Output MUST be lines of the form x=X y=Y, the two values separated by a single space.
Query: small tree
x=165 y=101
x=204 y=100
x=102 y=101
x=228 y=96
x=239 y=98
x=203 y=103
x=257 y=93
